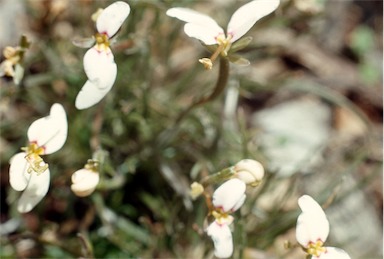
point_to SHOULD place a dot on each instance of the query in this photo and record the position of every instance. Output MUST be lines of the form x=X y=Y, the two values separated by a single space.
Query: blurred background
x=309 y=107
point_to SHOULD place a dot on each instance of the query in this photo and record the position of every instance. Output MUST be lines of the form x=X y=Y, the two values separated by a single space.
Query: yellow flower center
x=36 y=163
x=316 y=249
x=224 y=44
x=102 y=42
x=222 y=217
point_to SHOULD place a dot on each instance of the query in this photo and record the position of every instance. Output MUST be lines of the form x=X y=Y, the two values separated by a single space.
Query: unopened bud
x=249 y=171
x=9 y=52
x=84 y=182
x=196 y=190
x=206 y=62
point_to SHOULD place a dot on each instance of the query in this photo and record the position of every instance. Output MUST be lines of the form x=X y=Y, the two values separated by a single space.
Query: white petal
x=100 y=67
x=247 y=15
x=312 y=223
x=333 y=253
x=201 y=32
x=198 y=25
x=50 y=131
x=101 y=70
x=222 y=239
x=84 y=182
x=192 y=16
x=112 y=17
x=37 y=188
x=18 y=175
x=230 y=195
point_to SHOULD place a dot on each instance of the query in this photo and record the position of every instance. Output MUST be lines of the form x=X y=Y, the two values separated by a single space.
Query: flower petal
x=112 y=17
x=50 y=131
x=312 y=224
x=201 y=32
x=198 y=25
x=230 y=195
x=18 y=175
x=101 y=70
x=333 y=253
x=84 y=182
x=247 y=15
x=222 y=239
x=100 y=66
x=37 y=188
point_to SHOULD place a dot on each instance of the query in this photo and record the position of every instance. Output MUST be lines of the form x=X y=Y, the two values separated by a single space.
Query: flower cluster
x=312 y=230
x=99 y=63
x=28 y=172
x=228 y=198
x=205 y=29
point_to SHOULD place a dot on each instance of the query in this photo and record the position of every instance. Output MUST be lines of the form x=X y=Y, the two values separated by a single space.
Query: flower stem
x=166 y=136
x=221 y=176
x=219 y=87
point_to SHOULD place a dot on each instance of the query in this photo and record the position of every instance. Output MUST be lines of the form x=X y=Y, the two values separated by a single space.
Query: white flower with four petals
x=28 y=172
x=206 y=29
x=99 y=63
x=229 y=197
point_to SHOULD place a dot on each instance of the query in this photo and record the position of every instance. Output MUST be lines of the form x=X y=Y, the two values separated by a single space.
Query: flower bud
x=84 y=182
x=9 y=52
x=196 y=190
x=249 y=171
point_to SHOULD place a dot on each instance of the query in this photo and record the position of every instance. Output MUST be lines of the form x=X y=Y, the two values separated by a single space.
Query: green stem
x=86 y=245
x=219 y=87
x=221 y=176
x=222 y=79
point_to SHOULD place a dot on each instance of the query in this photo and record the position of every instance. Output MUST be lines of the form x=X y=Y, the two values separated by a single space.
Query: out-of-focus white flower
x=312 y=230
x=28 y=172
x=222 y=239
x=84 y=181
x=205 y=29
x=249 y=171
x=99 y=64
x=11 y=66
x=230 y=195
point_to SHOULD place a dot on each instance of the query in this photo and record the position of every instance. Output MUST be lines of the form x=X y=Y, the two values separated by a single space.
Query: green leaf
x=238 y=60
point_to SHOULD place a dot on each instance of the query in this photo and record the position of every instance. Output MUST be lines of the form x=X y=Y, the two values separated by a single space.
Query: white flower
x=205 y=29
x=28 y=172
x=249 y=171
x=222 y=239
x=99 y=64
x=84 y=182
x=230 y=196
x=312 y=230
